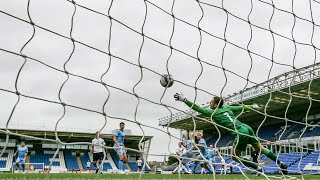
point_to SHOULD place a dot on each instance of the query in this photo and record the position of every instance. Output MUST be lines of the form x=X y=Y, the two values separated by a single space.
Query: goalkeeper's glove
x=255 y=106
x=180 y=97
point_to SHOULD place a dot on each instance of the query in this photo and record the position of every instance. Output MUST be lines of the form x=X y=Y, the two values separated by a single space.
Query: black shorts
x=97 y=156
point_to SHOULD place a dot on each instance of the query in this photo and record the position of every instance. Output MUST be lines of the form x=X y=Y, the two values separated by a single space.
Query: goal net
x=74 y=66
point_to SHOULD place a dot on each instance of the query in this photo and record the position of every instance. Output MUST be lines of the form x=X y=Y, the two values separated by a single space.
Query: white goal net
x=77 y=66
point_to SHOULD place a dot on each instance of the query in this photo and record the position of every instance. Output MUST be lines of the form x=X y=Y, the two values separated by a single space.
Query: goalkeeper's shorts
x=243 y=139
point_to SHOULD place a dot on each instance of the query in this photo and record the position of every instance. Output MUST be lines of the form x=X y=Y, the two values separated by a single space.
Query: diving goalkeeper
x=225 y=117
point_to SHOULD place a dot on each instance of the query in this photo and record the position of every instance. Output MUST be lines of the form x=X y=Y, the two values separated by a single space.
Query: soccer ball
x=31 y=168
x=166 y=80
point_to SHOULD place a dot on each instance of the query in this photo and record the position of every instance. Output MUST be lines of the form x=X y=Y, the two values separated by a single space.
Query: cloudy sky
x=93 y=29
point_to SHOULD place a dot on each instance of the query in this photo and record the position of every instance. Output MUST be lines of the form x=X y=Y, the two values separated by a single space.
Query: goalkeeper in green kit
x=224 y=116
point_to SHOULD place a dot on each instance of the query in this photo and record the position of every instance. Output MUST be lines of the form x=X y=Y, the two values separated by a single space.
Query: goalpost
x=96 y=64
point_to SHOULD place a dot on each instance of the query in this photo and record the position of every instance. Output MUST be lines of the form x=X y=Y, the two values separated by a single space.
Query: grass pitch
x=69 y=176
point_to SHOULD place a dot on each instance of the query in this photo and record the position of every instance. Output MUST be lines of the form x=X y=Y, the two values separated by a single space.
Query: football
x=166 y=80
x=31 y=168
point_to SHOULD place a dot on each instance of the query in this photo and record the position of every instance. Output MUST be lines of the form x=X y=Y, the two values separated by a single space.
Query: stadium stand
x=292 y=131
x=270 y=167
x=297 y=162
x=306 y=163
x=84 y=160
x=312 y=131
x=106 y=166
x=41 y=156
x=133 y=166
x=3 y=160
x=269 y=132
x=6 y=160
x=71 y=160
x=222 y=141
x=287 y=158
x=85 y=157
x=291 y=159
x=3 y=164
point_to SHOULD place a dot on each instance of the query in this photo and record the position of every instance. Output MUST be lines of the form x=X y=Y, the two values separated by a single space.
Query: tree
x=171 y=160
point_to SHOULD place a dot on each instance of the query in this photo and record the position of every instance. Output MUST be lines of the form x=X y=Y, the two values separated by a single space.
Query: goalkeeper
x=224 y=116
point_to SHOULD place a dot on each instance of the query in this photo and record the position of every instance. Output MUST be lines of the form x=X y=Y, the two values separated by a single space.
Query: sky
x=93 y=29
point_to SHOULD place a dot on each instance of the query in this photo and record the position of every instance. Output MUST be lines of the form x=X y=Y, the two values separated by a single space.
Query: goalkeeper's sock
x=270 y=155
x=18 y=166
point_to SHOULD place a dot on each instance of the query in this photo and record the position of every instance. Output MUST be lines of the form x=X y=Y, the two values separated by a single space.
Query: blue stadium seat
x=106 y=166
x=133 y=166
x=222 y=141
x=293 y=128
x=71 y=161
x=3 y=164
x=315 y=132
x=40 y=157
x=267 y=132
x=84 y=159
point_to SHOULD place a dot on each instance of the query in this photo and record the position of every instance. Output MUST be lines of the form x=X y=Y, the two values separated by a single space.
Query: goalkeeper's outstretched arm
x=205 y=111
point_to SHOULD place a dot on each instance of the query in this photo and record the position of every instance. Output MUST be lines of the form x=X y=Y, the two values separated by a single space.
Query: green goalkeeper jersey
x=223 y=116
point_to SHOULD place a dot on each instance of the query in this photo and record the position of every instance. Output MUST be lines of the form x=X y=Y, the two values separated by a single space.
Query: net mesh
x=203 y=43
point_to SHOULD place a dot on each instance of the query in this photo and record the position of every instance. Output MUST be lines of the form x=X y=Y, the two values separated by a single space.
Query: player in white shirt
x=139 y=164
x=97 y=151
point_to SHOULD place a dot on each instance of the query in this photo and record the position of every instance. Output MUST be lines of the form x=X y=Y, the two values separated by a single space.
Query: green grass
x=144 y=176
